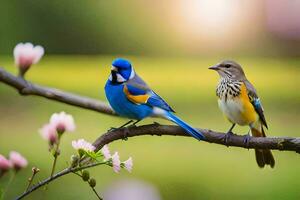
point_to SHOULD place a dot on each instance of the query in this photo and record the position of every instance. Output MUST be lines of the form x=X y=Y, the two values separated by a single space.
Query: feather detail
x=263 y=156
x=137 y=99
x=139 y=93
x=255 y=101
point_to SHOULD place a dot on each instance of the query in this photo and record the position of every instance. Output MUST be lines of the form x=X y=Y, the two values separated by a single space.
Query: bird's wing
x=157 y=101
x=256 y=102
x=138 y=92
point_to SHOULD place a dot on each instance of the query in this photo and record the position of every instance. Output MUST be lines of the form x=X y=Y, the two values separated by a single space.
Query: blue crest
x=121 y=63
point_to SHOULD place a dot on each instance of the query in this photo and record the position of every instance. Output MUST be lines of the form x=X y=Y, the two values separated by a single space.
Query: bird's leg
x=126 y=131
x=231 y=128
x=113 y=129
x=129 y=122
x=131 y=125
x=247 y=138
x=134 y=124
x=228 y=134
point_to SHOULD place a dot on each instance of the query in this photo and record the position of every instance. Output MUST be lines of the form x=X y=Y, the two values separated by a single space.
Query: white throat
x=132 y=74
x=120 y=78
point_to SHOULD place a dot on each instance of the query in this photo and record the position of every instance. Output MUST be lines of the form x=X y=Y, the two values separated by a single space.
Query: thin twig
x=35 y=170
x=11 y=178
x=96 y=193
x=56 y=154
x=77 y=174
x=57 y=175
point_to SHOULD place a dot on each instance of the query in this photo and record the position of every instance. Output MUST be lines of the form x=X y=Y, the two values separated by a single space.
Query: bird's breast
x=228 y=89
x=236 y=106
x=122 y=105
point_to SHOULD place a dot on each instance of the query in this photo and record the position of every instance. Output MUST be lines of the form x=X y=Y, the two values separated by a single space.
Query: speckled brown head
x=229 y=69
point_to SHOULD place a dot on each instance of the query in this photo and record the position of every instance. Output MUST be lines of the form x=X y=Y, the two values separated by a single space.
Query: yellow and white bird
x=239 y=102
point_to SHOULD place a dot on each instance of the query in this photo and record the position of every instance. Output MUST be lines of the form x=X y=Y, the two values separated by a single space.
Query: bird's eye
x=227 y=65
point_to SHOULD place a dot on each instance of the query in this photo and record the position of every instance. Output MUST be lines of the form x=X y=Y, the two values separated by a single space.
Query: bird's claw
x=126 y=133
x=131 y=126
x=246 y=140
x=112 y=129
x=156 y=123
x=227 y=137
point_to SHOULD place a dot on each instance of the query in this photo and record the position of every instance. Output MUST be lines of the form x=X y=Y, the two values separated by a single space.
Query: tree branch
x=26 y=88
x=275 y=143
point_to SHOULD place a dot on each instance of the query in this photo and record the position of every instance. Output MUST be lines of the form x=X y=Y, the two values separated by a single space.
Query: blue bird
x=132 y=98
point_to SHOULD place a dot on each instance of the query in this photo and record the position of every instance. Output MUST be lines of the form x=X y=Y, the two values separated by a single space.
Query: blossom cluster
x=83 y=145
x=114 y=160
x=15 y=161
x=58 y=124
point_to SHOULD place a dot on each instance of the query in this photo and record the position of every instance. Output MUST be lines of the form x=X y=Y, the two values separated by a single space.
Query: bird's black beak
x=215 y=67
x=114 y=76
x=114 y=72
x=114 y=69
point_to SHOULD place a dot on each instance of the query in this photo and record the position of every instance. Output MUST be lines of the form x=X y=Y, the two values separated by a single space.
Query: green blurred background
x=171 y=44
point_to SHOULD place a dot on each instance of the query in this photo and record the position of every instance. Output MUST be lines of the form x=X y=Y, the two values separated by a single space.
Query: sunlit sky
x=209 y=17
x=155 y=27
x=216 y=24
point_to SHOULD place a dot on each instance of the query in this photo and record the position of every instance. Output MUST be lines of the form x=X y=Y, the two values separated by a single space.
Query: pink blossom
x=81 y=144
x=17 y=160
x=62 y=122
x=105 y=152
x=26 y=54
x=128 y=164
x=116 y=162
x=48 y=132
x=4 y=164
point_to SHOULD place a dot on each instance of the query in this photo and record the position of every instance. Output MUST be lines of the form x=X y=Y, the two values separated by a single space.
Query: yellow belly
x=239 y=109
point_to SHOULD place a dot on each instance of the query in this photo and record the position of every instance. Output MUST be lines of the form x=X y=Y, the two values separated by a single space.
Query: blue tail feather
x=192 y=131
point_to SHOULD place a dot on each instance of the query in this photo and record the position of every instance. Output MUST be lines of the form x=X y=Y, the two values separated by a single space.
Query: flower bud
x=106 y=153
x=5 y=165
x=17 y=160
x=82 y=146
x=62 y=122
x=48 y=132
x=128 y=164
x=85 y=175
x=92 y=182
x=60 y=129
x=116 y=163
x=25 y=55
x=35 y=170
x=74 y=160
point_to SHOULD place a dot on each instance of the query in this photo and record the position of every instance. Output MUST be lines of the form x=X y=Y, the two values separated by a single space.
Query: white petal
x=38 y=53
